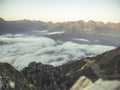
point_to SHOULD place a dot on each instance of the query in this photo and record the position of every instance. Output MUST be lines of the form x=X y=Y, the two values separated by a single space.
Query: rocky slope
x=38 y=76
x=45 y=77
x=105 y=66
x=83 y=83
x=20 y=81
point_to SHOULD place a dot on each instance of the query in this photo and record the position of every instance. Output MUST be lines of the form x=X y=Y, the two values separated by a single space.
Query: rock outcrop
x=105 y=85
x=45 y=77
x=6 y=83
x=9 y=76
x=83 y=83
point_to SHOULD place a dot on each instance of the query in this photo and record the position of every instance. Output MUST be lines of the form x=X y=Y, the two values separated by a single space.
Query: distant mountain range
x=23 y=25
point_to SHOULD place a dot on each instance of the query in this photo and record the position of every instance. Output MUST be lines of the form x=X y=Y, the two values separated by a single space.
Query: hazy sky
x=61 y=10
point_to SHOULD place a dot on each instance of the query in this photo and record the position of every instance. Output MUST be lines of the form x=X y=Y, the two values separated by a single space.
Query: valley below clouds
x=21 y=49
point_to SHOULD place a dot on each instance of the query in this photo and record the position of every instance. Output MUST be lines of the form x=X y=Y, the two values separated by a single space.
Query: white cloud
x=56 y=32
x=81 y=39
x=25 y=49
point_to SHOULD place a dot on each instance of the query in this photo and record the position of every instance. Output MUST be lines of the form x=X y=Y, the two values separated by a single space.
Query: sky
x=61 y=10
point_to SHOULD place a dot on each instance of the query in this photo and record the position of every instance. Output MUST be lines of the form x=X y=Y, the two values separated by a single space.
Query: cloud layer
x=20 y=50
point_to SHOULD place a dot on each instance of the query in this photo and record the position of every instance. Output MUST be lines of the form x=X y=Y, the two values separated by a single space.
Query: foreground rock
x=6 y=83
x=45 y=77
x=105 y=85
x=86 y=84
x=10 y=77
x=82 y=83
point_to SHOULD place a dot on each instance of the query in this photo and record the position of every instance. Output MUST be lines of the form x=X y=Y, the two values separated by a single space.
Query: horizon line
x=59 y=21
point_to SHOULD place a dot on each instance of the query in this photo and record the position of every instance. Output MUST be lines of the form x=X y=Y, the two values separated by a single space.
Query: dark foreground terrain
x=38 y=76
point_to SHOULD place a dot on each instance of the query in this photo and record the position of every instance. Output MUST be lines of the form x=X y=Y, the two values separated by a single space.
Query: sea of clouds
x=19 y=50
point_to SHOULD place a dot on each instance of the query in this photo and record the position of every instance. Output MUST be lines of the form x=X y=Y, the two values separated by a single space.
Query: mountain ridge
x=23 y=25
x=79 y=20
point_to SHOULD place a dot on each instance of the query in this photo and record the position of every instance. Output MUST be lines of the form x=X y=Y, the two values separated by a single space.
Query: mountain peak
x=2 y=20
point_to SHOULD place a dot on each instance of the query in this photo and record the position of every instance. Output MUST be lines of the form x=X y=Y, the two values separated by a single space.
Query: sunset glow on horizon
x=61 y=10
